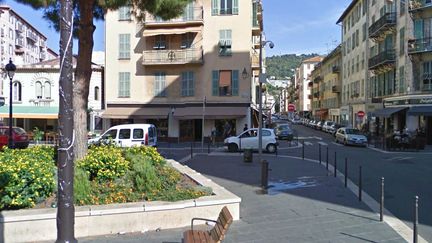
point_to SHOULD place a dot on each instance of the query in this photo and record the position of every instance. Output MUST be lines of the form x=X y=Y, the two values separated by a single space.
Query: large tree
x=85 y=12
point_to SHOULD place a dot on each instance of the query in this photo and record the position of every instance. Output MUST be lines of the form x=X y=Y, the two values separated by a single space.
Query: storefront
x=345 y=115
x=334 y=115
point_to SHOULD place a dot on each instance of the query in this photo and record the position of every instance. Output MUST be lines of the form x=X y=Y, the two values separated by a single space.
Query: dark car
x=284 y=131
x=333 y=128
x=19 y=137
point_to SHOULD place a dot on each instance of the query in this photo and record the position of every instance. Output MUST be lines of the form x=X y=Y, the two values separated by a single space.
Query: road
x=406 y=174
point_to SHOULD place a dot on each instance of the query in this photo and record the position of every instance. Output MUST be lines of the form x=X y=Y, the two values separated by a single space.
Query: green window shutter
x=235 y=7
x=127 y=84
x=215 y=7
x=184 y=84
x=418 y=28
x=235 y=82
x=215 y=83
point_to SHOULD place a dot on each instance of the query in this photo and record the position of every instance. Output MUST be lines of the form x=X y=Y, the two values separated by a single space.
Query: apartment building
x=35 y=97
x=302 y=79
x=326 y=87
x=356 y=107
x=20 y=41
x=186 y=75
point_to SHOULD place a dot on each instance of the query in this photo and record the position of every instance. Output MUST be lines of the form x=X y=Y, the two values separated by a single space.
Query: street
x=406 y=174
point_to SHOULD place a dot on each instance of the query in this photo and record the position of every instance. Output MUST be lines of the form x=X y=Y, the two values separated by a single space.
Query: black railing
x=336 y=89
x=317 y=79
x=416 y=5
x=385 y=57
x=335 y=69
x=382 y=24
x=419 y=45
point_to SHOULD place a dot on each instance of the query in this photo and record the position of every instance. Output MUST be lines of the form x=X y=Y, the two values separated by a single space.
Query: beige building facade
x=186 y=75
x=304 y=91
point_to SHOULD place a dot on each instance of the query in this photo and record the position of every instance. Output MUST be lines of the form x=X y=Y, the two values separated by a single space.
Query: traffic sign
x=291 y=107
x=360 y=114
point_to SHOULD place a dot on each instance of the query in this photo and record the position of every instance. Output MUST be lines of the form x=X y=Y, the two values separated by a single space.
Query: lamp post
x=10 y=70
x=261 y=80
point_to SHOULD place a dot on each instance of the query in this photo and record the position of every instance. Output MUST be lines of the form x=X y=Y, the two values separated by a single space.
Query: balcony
x=419 y=5
x=316 y=94
x=379 y=29
x=42 y=55
x=310 y=96
x=383 y=60
x=336 y=88
x=19 y=27
x=310 y=84
x=19 y=42
x=417 y=46
x=191 y=17
x=176 y=57
x=336 y=69
x=31 y=36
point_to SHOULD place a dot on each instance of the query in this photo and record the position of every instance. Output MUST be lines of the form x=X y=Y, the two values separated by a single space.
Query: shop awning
x=387 y=112
x=30 y=112
x=135 y=112
x=420 y=110
x=210 y=112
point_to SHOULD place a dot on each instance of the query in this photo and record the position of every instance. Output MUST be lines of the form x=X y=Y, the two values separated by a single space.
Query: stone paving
x=306 y=204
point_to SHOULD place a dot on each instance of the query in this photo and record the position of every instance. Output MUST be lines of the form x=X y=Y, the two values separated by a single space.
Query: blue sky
x=295 y=26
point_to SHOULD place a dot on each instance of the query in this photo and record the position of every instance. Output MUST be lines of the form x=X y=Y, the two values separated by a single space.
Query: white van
x=129 y=135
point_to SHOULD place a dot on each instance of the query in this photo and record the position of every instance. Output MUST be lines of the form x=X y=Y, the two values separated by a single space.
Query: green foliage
x=26 y=176
x=82 y=186
x=37 y=134
x=104 y=163
x=280 y=66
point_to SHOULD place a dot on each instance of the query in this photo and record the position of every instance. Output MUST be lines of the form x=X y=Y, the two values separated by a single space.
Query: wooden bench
x=216 y=234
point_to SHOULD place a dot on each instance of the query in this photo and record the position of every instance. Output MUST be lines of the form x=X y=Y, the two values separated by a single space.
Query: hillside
x=280 y=66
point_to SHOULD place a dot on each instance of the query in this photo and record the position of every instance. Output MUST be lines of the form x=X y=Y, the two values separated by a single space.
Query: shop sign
x=426 y=101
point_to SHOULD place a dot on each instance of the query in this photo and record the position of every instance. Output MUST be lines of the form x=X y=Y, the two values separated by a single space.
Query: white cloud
x=98 y=57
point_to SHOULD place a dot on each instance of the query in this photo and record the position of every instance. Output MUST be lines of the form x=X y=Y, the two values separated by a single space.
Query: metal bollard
x=335 y=166
x=303 y=149
x=382 y=200
x=319 y=148
x=415 y=233
x=346 y=172
x=264 y=174
x=208 y=147
x=191 y=150
x=240 y=149
x=360 y=184
x=327 y=158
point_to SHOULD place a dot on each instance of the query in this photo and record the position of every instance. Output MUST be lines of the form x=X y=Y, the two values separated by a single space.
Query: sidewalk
x=303 y=204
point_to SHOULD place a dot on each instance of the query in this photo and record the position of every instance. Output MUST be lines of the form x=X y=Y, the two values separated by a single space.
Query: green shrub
x=104 y=163
x=150 y=152
x=27 y=175
x=82 y=187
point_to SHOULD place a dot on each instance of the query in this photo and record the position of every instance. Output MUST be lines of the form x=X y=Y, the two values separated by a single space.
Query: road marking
x=400 y=158
x=338 y=144
x=323 y=143
x=308 y=143
x=319 y=138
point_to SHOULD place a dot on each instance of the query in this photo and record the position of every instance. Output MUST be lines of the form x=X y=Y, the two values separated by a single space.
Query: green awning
x=37 y=112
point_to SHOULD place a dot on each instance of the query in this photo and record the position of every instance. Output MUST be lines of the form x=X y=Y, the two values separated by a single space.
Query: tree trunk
x=83 y=74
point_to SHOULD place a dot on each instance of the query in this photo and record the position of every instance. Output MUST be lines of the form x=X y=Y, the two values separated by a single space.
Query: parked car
x=19 y=137
x=326 y=126
x=319 y=125
x=350 y=136
x=284 y=131
x=296 y=121
x=249 y=139
x=128 y=135
x=333 y=128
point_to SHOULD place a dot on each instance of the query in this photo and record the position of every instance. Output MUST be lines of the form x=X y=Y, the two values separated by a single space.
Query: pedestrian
x=213 y=135
x=245 y=127
x=227 y=129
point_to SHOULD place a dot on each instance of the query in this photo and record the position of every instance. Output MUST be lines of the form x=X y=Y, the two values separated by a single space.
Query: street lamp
x=10 y=70
x=262 y=79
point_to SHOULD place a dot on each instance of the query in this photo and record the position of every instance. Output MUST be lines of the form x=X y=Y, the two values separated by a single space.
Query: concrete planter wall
x=31 y=225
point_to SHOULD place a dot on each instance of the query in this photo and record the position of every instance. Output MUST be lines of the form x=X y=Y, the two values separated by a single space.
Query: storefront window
x=161 y=126
x=223 y=129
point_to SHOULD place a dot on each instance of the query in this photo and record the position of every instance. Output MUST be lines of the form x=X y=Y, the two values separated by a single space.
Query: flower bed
x=108 y=174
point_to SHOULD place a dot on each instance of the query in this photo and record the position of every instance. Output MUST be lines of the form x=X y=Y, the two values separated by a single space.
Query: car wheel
x=336 y=140
x=232 y=147
x=345 y=142
x=271 y=148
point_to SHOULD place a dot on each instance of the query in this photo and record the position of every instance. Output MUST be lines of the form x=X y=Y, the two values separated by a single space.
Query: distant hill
x=280 y=66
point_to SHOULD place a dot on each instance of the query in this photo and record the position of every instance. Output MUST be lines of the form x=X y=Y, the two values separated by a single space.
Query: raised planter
x=30 y=225
x=247 y=155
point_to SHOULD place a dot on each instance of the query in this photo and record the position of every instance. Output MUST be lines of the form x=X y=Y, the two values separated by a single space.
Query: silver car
x=350 y=136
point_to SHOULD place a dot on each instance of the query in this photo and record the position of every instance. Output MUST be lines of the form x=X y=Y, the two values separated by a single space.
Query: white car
x=249 y=140
x=350 y=136
x=128 y=135
x=326 y=126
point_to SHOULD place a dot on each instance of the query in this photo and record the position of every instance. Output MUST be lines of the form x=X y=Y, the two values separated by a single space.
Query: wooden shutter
x=215 y=7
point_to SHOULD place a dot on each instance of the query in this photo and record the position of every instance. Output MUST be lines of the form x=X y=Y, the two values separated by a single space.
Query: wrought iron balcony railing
x=418 y=5
x=387 y=21
x=169 y=56
x=189 y=15
x=419 y=45
x=383 y=58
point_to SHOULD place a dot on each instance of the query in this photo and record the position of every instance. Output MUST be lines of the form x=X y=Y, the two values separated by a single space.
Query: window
x=124 y=85
x=47 y=90
x=124 y=46
x=362 y=88
x=225 y=83
x=38 y=89
x=402 y=41
x=124 y=134
x=111 y=134
x=187 y=40
x=402 y=7
x=357 y=38
x=17 y=91
x=401 y=79
x=187 y=88
x=364 y=32
x=225 y=42
x=160 y=42
x=365 y=5
x=125 y=13
x=358 y=63
x=224 y=7
x=138 y=133
x=159 y=84
x=96 y=93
